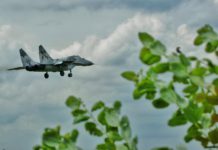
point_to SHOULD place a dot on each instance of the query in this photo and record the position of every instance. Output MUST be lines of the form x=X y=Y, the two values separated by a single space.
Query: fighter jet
x=48 y=64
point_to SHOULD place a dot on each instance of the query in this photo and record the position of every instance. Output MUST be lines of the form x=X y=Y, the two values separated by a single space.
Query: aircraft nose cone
x=90 y=63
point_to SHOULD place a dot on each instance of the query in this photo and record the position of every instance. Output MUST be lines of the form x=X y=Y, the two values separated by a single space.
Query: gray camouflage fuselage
x=57 y=65
x=48 y=64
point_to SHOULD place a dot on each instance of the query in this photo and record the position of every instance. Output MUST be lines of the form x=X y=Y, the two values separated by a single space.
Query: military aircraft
x=48 y=64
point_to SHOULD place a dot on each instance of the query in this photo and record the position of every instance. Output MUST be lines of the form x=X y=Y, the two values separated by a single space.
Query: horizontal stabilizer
x=17 y=68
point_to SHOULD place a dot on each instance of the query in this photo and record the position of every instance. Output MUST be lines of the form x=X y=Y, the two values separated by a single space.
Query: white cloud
x=119 y=45
x=27 y=100
x=216 y=1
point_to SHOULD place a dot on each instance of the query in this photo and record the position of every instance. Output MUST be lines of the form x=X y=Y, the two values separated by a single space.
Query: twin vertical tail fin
x=44 y=57
x=26 y=60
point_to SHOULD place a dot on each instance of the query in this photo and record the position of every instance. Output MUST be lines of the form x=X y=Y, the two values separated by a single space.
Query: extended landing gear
x=46 y=75
x=62 y=73
x=70 y=74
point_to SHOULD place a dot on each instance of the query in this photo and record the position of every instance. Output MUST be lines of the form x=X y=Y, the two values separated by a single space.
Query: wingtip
x=17 y=68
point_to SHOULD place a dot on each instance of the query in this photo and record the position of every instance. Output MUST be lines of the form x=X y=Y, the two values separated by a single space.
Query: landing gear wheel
x=62 y=73
x=46 y=75
x=70 y=74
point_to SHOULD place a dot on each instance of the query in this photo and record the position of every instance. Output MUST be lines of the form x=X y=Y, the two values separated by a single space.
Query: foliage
x=101 y=121
x=161 y=84
x=166 y=73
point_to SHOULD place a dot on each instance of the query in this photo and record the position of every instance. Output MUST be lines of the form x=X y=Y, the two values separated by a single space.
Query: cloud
x=119 y=46
x=44 y=99
x=31 y=103
x=65 y=5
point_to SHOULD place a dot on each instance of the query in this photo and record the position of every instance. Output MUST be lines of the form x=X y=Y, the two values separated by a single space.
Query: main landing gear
x=62 y=73
x=46 y=75
x=70 y=74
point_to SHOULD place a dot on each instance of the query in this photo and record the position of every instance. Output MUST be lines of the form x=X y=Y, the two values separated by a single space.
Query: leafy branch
x=188 y=82
x=101 y=121
x=166 y=74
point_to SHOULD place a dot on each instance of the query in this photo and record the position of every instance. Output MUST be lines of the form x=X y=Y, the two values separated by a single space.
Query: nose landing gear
x=46 y=75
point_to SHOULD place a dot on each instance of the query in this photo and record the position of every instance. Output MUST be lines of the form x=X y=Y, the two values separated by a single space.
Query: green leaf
x=92 y=129
x=205 y=121
x=67 y=146
x=179 y=70
x=137 y=94
x=200 y=97
x=177 y=119
x=73 y=102
x=134 y=143
x=130 y=75
x=207 y=35
x=74 y=135
x=98 y=105
x=150 y=95
x=101 y=117
x=79 y=112
x=199 y=71
x=146 y=85
x=199 y=40
x=151 y=75
x=192 y=58
x=161 y=68
x=213 y=136
x=38 y=147
x=208 y=108
x=168 y=95
x=146 y=39
x=125 y=128
x=184 y=60
x=206 y=28
x=157 y=48
x=183 y=80
x=160 y=103
x=51 y=137
x=121 y=147
x=68 y=141
x=216 y=53
x=212 y=99
x=80 y=118
x=193 y=112
x=114 y=136
x=112 y=117
x=106 y=146
x=215 y=82
x=191 y=89
x=199 y=81
x=117 y=106
x=192 y=133
x=212 y=46
x=181 y=102
x=147 y=57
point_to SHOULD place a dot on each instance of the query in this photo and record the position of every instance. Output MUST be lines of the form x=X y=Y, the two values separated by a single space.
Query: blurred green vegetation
x=159 y=81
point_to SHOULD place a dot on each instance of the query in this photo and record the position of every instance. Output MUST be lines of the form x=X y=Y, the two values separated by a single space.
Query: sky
x=104 y=31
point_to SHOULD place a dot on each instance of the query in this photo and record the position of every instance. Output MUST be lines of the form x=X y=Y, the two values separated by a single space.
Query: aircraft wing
x=17 y=68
